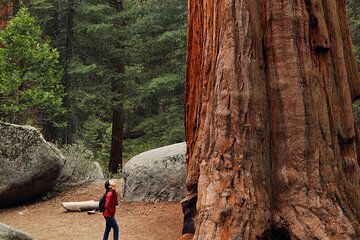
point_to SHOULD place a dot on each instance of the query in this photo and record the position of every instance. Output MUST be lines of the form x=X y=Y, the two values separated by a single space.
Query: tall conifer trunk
x=115 y=162
x=117 y=133
x=272 y=145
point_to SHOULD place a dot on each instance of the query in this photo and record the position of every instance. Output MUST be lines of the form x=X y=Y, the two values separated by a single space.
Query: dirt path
x=137 y=221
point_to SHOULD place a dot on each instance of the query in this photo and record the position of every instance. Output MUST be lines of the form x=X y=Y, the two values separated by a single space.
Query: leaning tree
x=271 y=138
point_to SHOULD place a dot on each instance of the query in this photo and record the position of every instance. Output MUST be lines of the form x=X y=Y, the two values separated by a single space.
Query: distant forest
x=108 y=75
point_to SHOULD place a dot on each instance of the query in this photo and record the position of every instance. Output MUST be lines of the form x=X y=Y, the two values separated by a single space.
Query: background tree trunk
x=5 y=13
x=70 y=129
x=271 y=138
x=117 y=131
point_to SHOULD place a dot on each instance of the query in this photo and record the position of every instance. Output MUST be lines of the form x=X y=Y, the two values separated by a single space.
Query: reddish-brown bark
x=5 y=13
x=271 y=138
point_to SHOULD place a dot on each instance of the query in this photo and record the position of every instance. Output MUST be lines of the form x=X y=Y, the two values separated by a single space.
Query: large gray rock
x=29 y=165
x=9 y=233
x=158 y=174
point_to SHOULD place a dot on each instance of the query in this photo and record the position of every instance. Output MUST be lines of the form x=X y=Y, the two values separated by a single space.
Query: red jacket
x=110 y=204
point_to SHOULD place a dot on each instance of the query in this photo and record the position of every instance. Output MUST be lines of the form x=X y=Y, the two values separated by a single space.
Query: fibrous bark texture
x=271 y=137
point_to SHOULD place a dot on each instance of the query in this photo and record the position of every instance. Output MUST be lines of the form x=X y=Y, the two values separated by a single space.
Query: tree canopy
x=94 y=38
x=30 y=74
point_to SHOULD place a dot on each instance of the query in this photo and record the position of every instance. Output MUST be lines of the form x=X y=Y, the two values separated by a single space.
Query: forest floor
x=137 y=220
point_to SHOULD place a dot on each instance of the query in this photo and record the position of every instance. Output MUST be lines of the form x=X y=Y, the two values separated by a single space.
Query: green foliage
x=97 y=134
x=30 y=76
x=148 y=38
x=55 y=191
x=98 y=37
x=356 y=111
x=161 y=130
x=79 y=164
x=51 y=15
x=152 y=85
x=98 y=54
x=353 y=9
x=157 y=31
x=109 y=175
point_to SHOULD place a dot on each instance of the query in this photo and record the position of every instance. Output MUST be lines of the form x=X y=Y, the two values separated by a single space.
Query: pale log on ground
x=272 y=145
x=81 y=206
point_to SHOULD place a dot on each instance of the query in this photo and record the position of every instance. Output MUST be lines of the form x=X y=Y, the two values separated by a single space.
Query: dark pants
x=111 y=223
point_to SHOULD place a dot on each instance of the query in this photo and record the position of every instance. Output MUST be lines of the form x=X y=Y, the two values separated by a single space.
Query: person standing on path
x=110 y=207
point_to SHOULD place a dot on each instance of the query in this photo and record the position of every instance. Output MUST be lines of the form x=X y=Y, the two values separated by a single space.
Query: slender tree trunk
x=271 y=138
x=117 y=135
x=69 y=131
x=115 y=162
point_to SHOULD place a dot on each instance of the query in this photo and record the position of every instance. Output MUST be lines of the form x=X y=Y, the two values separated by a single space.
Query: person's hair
x=107 y=185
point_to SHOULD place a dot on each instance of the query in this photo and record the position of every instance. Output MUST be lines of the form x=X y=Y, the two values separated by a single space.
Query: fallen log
x=81 y=206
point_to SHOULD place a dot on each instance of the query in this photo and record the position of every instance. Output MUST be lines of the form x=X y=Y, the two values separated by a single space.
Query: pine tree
x=157 y=48
x=128 y=55
x=56 y=19
x=103 y=65
x=30 y=75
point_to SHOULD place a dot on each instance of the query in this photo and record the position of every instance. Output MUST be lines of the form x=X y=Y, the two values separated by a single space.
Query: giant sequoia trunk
x=271 y=138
